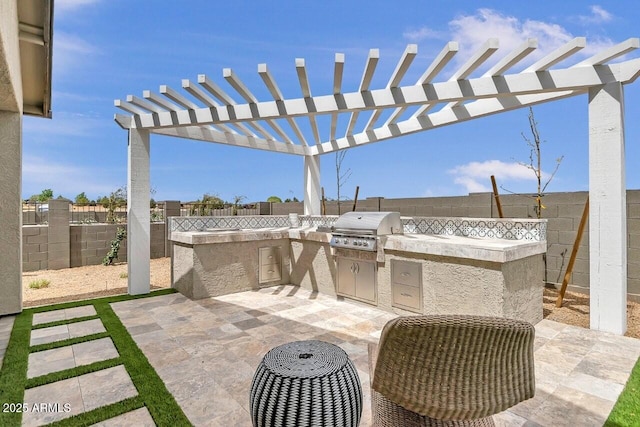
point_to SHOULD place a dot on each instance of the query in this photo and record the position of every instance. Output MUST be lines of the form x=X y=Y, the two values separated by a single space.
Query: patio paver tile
x=82 y=311
x=105 y=387
x=94 y=351
x=47 y=335
x=138 y=418
x=48 y=316
x=45 y=362
x=87 y=327
x=56 y=395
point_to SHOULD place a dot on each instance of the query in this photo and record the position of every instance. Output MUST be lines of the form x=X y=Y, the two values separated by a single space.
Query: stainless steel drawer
x=406 y=273
x=270 y=273
x=407 y=297
x=269 y=255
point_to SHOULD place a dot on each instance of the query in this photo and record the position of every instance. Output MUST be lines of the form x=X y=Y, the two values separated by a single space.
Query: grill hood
x=374 y=223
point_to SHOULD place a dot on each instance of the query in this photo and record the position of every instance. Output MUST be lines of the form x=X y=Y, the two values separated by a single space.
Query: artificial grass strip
x=72 y=372
x=111 y=299
x=626 y=411
x=161 y=404
x=69 y=341
x=151 y=389
x=14 y=368
x=64 y=322
x=101 y=414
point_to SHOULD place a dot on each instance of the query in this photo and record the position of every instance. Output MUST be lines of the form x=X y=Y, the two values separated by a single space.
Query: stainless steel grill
x=359 y=230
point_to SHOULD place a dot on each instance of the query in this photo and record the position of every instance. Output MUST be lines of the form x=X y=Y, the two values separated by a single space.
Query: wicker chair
x=450 y=370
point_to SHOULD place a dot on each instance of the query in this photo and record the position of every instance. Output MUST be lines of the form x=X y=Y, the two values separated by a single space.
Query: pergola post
x=138 y=215
x=607 y=210
x=312 y=185
x=11 y=212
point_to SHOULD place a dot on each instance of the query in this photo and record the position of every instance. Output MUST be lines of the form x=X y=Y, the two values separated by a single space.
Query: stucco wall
x=10 y=219
x=204 y=271
x=450 y=285
x=562 y=210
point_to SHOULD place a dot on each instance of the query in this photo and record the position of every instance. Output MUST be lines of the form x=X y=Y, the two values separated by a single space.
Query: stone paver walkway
x=206 y=352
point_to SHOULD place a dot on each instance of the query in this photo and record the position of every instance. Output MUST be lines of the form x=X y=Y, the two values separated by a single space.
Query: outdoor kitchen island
x=432 y=266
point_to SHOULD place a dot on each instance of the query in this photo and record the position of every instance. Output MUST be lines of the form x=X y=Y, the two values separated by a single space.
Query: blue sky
x=107 y=49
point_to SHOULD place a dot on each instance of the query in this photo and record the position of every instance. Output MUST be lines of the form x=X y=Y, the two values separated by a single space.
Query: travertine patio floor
x=206 y=352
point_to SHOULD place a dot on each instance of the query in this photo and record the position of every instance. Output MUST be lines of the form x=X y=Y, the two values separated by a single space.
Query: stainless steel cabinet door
x=365 y=281
x=346 y=277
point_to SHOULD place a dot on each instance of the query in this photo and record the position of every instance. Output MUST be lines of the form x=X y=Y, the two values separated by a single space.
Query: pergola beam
x=208 y=134
x=271 y=84
x=558 y=55
x=338 y=69
x=301 y=70
x=240 y=87
x=403 y=65
x=367 y=75
x=459 y=113
x=451 y=91
x=443 y=58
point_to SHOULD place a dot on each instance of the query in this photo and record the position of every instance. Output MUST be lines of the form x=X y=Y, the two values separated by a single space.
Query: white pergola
x=203 y=111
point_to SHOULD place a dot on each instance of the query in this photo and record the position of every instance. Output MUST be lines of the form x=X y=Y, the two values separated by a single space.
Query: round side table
x=306 y=383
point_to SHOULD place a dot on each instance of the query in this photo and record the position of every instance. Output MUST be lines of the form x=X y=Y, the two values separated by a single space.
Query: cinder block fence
x=46 y=246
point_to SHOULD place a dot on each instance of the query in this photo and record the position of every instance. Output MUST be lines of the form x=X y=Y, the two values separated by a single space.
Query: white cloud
x=65 y=179
x=475 y=176
x=70 y=52
x=421 y=34
x=472 y=31
x=598 y=16
x=65 y=124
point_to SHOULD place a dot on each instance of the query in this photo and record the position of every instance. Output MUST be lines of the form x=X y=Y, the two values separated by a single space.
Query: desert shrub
x=40 y=283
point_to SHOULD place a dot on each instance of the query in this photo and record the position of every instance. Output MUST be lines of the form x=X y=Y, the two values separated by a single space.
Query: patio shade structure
x=202 y=110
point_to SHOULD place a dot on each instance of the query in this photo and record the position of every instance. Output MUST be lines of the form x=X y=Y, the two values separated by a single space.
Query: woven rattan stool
x=306 y=383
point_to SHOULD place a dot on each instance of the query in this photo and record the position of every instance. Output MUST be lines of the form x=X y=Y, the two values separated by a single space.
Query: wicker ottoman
x=306 y=383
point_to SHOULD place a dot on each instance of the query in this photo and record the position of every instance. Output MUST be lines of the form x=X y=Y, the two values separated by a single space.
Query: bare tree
x=535 y=161
x=341 y=176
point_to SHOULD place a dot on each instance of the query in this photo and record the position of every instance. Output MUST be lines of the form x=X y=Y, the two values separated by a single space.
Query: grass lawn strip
x=66 y=342
x=64 y=322
x=626 y=411
x=14 y=368
x=100 y=414
x=152 y=392
x=72 y=372
x=161 y=404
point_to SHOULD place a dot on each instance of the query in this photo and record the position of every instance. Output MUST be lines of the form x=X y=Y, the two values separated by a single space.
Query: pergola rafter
x=159 y=114
x=206 y=112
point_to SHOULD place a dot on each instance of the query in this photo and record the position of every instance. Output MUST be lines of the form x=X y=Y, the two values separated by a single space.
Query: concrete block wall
x=35 y=251
x=88 y=244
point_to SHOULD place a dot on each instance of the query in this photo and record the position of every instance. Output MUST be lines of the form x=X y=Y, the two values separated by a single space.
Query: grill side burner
x=359 y=230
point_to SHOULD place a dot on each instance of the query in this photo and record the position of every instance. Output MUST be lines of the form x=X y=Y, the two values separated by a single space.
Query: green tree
x=236 y=203
x=116 y=199
x=206 y=205
x=44 y=196
x=274 y=199
x=82 y=199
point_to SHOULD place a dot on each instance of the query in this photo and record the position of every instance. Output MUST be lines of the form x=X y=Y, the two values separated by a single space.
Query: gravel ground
x=96 y=280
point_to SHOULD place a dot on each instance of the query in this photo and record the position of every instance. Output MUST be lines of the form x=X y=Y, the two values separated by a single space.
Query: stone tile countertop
x=484 y=249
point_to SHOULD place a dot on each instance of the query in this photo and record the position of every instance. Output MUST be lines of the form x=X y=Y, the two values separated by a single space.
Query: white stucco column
x=312 y=185
x=10 y=212
x=607 y=210
x=138 y=215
